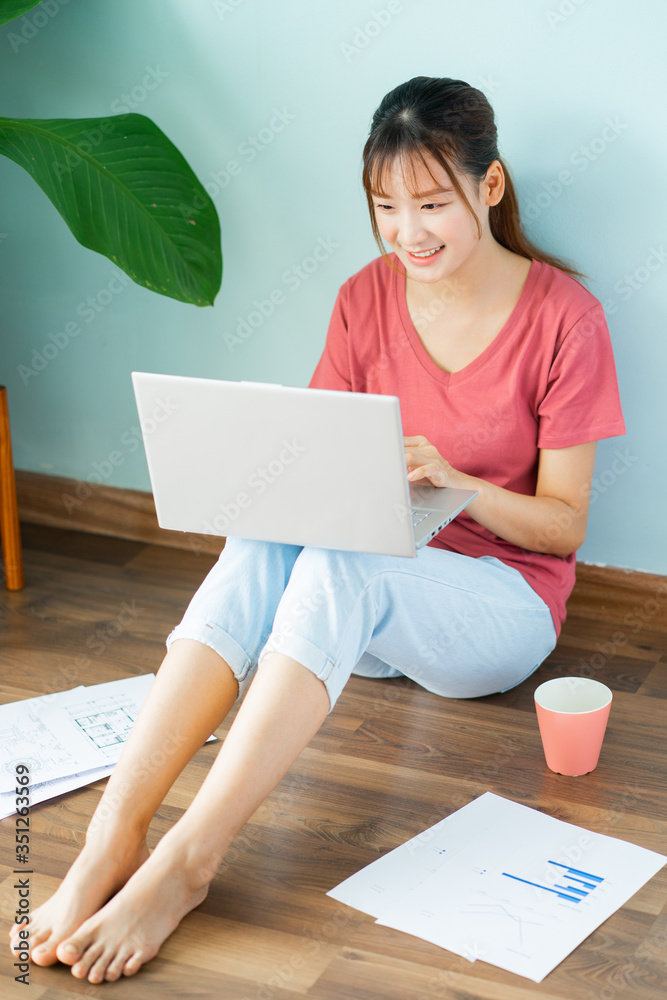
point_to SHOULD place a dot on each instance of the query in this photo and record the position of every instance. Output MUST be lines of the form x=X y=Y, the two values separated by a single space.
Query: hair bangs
x=401 y=146
x=429 y=120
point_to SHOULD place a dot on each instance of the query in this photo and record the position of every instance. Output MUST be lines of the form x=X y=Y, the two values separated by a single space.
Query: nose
x=411 y=230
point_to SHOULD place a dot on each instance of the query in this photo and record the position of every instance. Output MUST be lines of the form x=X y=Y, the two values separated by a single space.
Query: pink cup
x=572 y=714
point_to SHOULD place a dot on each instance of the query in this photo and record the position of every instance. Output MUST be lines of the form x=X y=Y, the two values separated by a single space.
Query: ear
x=492 y=187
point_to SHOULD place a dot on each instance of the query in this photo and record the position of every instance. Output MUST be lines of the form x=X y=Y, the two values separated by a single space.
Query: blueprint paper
x=26 y=739
x=67 y=739
x=51 y=789
x=516 y=888
x=70 y=732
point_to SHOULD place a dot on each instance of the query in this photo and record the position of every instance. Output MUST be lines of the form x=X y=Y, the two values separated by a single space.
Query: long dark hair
x=454 y=123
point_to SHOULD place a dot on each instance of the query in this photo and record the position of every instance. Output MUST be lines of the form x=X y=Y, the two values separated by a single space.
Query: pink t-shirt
x=547 y=380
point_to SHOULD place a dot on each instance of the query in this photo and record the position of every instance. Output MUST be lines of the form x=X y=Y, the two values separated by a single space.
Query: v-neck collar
x=422 y=355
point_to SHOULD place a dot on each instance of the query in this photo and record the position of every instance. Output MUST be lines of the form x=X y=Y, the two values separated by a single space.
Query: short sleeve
x=581 y=402
x=333 y=368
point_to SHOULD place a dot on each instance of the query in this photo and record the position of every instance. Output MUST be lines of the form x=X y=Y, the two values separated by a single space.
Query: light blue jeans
x=458 y=626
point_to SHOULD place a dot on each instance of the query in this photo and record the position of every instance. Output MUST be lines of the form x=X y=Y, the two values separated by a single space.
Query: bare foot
x=130 y=929
x=98 y=872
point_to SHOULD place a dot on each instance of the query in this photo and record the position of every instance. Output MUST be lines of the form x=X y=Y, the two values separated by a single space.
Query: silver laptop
x=280 y=464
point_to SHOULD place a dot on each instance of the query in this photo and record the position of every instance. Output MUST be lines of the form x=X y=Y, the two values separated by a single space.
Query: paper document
x=51 y=789
x=504 y=883
x=69 y=732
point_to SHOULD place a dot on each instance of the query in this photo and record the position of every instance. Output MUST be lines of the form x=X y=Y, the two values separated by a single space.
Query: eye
x=433 y=205
x=383 y=207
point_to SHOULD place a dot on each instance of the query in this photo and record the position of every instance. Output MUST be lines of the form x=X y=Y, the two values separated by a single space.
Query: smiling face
x=426 y=222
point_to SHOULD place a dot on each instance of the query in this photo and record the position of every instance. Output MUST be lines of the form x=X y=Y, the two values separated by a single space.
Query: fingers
x=431 y=471
x=424 y=461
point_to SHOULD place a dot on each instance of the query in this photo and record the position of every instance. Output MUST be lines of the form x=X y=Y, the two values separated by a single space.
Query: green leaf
x=125 y=191
x=10 y=9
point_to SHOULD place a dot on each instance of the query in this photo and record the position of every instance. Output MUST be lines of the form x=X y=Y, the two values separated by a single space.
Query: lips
x=425 y=256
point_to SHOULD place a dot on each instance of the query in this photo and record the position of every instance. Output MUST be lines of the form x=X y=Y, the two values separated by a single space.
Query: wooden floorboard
x=389 y=761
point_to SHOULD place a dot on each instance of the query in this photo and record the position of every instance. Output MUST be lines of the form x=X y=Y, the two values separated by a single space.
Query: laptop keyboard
x=418 y=516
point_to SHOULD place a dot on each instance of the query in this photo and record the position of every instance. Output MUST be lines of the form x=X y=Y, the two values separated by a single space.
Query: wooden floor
x=390 y=761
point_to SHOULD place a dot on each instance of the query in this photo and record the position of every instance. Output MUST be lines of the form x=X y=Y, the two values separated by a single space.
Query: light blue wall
x=556 y=72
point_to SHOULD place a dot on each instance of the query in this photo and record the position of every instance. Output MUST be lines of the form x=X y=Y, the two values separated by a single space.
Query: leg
x=284 y=708
x=173 y=723
x=459 y=626
x=224 y=627
x=335 y=606
x=213 y=650
x=466 y=628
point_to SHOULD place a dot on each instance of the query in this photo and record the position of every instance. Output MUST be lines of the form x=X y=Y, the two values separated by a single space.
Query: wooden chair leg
x=9 y=515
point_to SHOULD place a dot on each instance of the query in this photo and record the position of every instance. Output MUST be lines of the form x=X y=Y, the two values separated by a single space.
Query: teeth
x=426 y=253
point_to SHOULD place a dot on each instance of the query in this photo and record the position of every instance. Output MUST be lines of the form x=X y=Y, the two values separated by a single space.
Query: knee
x=251 y=550
x=329 y=573
x=325 y=570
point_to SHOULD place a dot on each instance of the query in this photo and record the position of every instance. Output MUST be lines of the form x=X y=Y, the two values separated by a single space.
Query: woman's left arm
x=552 y=521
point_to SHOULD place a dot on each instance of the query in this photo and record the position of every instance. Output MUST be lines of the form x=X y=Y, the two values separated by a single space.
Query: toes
x=115 y=967
x=83 y=967
x=97 y=970
x=41 y=951
x=132 y=965
x=38 y=938
x=43 y=954
x=70 y=950
x=15 y=929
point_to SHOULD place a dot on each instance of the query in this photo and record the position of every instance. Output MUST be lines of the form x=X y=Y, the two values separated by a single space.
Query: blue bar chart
x=585 y=882
x=515 y=887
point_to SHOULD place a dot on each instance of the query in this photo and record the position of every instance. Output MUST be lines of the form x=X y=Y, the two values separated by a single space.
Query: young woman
x=503 y=366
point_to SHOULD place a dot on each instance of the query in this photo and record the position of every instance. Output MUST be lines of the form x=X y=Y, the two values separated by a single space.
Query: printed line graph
x=499 y=910
x=573 y=893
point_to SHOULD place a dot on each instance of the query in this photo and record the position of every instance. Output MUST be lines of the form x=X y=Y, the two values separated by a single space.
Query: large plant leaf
x=125 y=191
x=10 y=9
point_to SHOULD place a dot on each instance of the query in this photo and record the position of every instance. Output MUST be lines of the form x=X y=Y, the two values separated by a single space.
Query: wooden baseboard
x=101 y=510
x=108 y=510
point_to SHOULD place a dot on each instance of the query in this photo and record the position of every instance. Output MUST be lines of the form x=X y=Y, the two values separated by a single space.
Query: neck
x=482 y=275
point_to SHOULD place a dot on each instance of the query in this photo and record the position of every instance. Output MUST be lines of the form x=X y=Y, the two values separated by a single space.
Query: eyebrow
x=439 y=190
x=419 y=194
